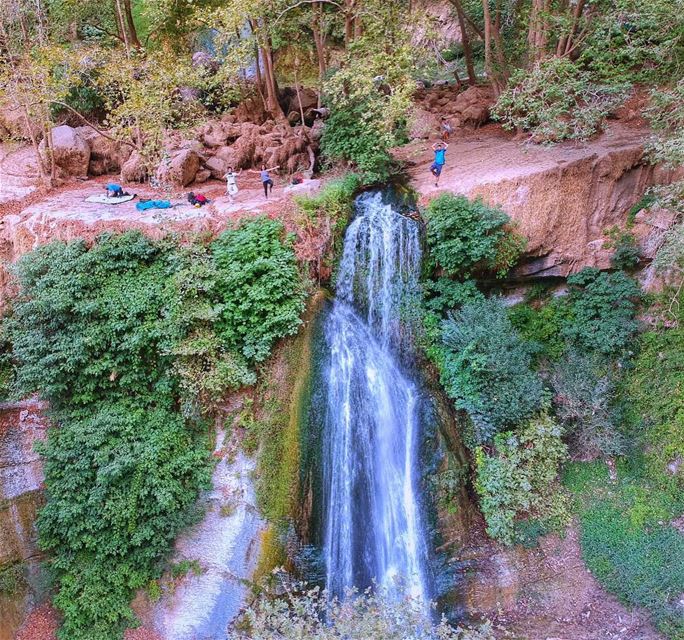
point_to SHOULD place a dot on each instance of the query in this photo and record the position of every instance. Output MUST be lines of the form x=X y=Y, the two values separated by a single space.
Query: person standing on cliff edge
x=440 y=149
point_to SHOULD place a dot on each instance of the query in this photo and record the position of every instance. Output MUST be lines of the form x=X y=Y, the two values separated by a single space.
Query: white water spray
x=373 y=527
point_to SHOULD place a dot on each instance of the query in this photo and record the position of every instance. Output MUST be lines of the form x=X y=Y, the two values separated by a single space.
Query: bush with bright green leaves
x=486 y=368
x=519 y=479
x=626 y=254
x=602 y=311
x=585 y=400
x=350 y=136
x=557 y=100
x=540 y=326
x=130 y=341
x=262 y=297
x=445 y=294
x=464 y=236
x=628 y=541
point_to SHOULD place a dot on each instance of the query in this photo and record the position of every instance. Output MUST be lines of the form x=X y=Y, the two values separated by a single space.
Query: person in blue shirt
x=114 y=190
x=440 y=149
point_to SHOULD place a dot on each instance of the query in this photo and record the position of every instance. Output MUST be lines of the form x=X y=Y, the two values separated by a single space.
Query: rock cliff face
x=562 y=198
x=21 y=476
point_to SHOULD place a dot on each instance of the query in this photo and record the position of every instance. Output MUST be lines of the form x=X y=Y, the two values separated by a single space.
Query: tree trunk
x=349 y=21
x=319 y=41
x=465 y=41
x=577 y=14
x=132 y=31
x=34 y=144
x=273 y=105
x=41 y=22
x=122 y=26
x=491 y=74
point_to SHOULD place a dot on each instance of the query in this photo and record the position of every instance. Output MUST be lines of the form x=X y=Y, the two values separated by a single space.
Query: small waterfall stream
x=372 y=523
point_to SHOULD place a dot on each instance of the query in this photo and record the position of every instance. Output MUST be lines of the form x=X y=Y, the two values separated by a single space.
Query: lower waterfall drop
x=373 y=531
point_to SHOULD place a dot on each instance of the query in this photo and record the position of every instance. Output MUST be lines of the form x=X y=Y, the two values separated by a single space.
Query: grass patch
x=627 y=540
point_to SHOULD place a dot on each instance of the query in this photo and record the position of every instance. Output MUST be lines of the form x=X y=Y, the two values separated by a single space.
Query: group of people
x=264 y=173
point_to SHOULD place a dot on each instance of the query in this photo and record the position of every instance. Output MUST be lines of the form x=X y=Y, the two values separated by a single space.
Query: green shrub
x=262 y=297
x=557 y=100
x=602 y=311
x=627 y=541
x=121 y=483
x=183 y=567
x=349 y=135
x=626 y=250
x=540 y=326
x=519 y=479
x=485 y=368
x=12 y=579
x=465 y=235
x=444 y=294
x=585 y=396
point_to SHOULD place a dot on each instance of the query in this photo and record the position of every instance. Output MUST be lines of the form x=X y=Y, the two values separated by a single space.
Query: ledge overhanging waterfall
x=373 y=532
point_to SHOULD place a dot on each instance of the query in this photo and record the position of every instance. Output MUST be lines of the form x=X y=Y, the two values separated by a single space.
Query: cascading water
x=373 y=532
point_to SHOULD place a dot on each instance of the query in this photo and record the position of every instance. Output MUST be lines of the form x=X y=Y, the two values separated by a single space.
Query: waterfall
x=373 y=532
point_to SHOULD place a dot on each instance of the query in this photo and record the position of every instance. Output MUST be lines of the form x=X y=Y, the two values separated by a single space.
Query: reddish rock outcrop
x=106 y=155
x=562 y=198
x=70 y=151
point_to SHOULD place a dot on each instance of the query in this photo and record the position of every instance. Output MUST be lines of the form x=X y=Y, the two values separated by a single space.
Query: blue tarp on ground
x=153 y=204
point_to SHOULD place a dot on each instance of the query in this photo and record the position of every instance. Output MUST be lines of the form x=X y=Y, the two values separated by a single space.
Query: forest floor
x=545 y=593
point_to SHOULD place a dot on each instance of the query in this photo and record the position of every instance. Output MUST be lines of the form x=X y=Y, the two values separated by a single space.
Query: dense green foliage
x=653 y=395
x=556 y=100
x=129 y=340
x=349 y=136
x=540 y=325
x=259 y=287
x=465 y=235
x=485 y=368
x=518 y=479
x=602 y=311
x=443 y=294
x=628 y=541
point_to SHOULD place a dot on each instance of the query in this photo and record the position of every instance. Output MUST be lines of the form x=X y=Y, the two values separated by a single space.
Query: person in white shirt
x=231 y=183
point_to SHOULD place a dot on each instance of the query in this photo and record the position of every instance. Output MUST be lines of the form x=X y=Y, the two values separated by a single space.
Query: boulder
x=474 y=105
x=423 y=124
x=216 y=136
x=217 y=167
x=251 y=110
x=70 y=151
x=134 y=169
x=202 y=176
x=290 y=101
x=106 y=156
x=180 y=169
